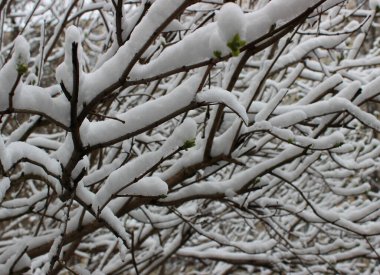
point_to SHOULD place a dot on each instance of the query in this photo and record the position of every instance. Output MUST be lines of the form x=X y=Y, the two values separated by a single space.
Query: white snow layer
x=148 y=186
x=219 y=95
x=230 y=21
x=195 y=47
x=120 y=180
x=141 y=116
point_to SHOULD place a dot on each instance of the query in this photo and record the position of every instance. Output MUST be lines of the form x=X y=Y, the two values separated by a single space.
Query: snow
x=4 y=186
x=148 y=186
x=287 y=119
x=9 y=72
x=20 y=131
x=202 y=44
x=218 y=95
x=38 y=100
x=352 y=191
x=327 y=215
x=192 y=49
x=10 y=256
x=26 y=202
x=119 y=180
x=140 y=117
x=111 y=71
x=272 y=104
x=309 y=45
x=374 y=4
x=64 y=72
x=17 y=151
x=256 y=247
x=44 y=143
x=103 y=172
x=230 y=21
x=174 y=25
x=3 y=154
x=162 y=221
x=236 y=183
x=64 y=152
x=152 y=154
x=122 y=249
x=324 y=86
x=21 y=51
x=82 y=165
x=216 y=44
x=80 y=270
x=53 y=251
x=109 y=217
x=217 y=254
x=230 y=193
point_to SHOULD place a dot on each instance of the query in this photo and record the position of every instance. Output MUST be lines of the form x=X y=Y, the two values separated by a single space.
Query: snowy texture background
x=189 y=137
